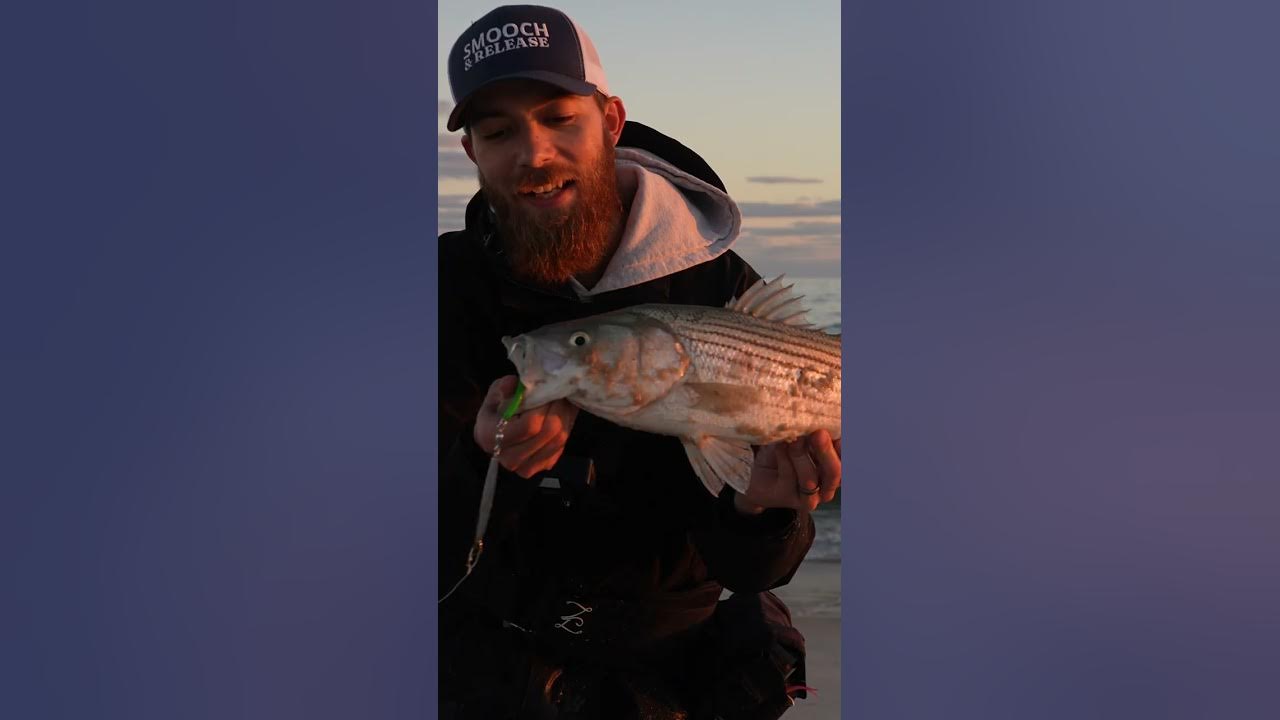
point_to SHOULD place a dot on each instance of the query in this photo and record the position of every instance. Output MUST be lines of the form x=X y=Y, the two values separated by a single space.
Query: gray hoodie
x=676 y=221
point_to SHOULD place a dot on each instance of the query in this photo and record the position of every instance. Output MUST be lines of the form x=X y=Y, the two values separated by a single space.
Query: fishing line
x=490 y=486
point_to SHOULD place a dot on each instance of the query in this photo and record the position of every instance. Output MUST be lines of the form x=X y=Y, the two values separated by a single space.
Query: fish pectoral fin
x=719 y=462
x=709 y=479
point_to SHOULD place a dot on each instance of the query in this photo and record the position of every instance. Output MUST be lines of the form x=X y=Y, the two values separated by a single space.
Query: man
x=604 y=558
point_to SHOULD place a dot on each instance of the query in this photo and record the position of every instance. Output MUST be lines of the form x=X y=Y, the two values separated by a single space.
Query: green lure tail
x=514 y=405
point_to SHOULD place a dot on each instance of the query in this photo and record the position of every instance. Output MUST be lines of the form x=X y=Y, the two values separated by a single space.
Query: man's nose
x=536 y=148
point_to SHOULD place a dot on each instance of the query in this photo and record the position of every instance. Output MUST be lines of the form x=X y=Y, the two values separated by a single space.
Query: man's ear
x=466 y=145
x=615 y=116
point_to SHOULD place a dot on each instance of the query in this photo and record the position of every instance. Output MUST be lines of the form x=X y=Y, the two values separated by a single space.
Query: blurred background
x=1062 y=283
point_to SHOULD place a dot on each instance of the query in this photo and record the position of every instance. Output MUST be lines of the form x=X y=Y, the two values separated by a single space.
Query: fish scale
x=720 y=379
x=721 y=360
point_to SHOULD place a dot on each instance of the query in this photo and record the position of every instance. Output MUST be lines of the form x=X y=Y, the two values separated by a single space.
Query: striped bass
x=721 y=379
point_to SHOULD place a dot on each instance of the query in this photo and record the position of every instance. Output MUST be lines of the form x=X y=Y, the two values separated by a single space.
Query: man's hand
x=799 y=475
x=533 y=440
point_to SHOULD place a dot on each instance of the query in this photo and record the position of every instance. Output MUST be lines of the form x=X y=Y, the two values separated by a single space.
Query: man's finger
x=516 y=455
x=807 y=482
x=787 y=475
x=501 y=389
x=525 y=426
x=517 y=459
x=545 y=457
x=767 y=458
x=529 y=449
x=823 y=452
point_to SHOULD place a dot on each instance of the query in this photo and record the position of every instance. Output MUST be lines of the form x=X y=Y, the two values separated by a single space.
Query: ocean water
x=826 y=539
x=822 y=296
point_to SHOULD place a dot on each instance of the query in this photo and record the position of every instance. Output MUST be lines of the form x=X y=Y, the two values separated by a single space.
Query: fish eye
x=579 y=339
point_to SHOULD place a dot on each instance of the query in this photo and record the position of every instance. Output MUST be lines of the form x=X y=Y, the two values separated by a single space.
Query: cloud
x=455 y=164
x=825 y=208
x=448 y=141
x=810 y=258
x=445 y=108
x=803 y=249
x=801 y=229
x=781 y=180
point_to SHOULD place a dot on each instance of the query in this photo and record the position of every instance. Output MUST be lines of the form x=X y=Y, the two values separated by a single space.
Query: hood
x=676 y=220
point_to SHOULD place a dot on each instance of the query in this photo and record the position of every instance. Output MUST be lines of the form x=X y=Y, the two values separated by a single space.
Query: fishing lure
x=490 y=485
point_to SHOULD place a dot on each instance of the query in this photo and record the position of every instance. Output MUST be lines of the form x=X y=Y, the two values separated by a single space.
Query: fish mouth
x=541 y=367
x=516 y=352
x=510 y=343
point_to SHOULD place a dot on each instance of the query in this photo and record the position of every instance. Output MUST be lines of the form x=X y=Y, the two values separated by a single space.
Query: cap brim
x=573 y=85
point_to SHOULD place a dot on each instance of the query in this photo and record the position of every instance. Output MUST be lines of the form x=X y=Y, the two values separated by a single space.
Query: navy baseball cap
x=522 y=41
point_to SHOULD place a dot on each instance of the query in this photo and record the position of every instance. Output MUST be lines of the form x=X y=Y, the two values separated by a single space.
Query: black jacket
x=647 y=548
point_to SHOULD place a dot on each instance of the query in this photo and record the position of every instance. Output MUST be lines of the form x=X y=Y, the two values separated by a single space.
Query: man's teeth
x=545 y=189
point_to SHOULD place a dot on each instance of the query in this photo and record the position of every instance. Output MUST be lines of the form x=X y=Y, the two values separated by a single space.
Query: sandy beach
x=814 y=598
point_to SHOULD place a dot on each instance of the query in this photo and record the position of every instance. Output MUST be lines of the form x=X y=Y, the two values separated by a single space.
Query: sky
x=752 y=87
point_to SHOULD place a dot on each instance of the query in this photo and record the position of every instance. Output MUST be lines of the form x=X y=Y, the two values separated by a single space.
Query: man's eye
x=492 y=134
x=561 y=119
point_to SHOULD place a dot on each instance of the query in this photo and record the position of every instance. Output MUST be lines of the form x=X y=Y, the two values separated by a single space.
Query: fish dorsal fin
x=773 y=301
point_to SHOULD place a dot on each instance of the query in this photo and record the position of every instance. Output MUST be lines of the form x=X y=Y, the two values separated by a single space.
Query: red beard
x=549 y=246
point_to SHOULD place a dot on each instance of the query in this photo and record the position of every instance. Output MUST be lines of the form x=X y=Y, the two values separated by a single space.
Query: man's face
x=545 y=161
